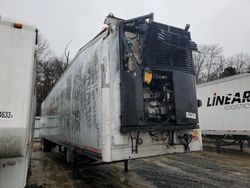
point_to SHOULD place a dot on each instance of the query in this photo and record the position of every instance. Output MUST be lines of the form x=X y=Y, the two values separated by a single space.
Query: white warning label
x=190 y=115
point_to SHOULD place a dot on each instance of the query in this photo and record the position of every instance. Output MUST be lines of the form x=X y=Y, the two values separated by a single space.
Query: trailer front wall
x=84 y=107
x=230 y=113
x=121 y=144
x=72 y=110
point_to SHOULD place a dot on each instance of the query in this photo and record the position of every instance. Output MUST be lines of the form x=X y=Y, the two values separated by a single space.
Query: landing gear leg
x=217 y=144
x=241 y=142
x=76 y=170
x=126 y=166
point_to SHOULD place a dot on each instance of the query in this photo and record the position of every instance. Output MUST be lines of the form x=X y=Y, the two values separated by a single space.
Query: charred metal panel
x=132 y=98
x=185 y=98
x=167 y=99
x=168 y=47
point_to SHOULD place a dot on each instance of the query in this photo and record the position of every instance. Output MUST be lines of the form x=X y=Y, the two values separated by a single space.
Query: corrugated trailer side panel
x=226 y=106
x=72 y=111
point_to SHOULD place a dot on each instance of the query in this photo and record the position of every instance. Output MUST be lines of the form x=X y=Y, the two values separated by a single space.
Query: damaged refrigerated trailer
x=17 y=101
x=224 y=117
x=128 y=93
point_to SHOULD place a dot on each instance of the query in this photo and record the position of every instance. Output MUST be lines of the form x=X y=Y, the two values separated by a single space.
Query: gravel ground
x=230 y=168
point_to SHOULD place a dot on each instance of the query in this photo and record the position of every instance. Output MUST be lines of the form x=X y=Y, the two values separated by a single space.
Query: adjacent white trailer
x=37 y=129
x=225 y=110
x=17 y=101
x=111 y=105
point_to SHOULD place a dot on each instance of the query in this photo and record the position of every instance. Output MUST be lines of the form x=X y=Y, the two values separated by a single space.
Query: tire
x=76 y=170
x=46 y=147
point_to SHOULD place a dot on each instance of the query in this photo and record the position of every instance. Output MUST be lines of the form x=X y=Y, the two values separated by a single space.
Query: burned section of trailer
x=129 y=93
x=157 y=77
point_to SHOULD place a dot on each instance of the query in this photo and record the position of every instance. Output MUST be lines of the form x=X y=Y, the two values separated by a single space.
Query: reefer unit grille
x=168 y=47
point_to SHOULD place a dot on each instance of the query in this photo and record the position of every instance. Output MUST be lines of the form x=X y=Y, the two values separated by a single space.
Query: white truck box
x=83 y=110
x=226 y=106
x=17 y=101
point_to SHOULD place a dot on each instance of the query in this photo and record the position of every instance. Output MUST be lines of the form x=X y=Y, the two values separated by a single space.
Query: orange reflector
x=18 y=25
x=148 y=77
x=196 y=134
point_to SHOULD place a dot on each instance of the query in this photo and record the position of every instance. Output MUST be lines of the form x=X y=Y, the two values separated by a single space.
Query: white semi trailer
x=128 y=93
x=17 y=101
x=224 y=115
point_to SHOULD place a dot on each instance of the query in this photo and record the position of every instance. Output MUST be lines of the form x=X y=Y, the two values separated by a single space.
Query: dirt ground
x=230 y=168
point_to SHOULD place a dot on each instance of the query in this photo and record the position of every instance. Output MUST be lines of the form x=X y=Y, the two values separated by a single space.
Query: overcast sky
x=226 y=22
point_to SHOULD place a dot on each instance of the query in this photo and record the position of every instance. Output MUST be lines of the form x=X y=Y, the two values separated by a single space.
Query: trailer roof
x=227 y=79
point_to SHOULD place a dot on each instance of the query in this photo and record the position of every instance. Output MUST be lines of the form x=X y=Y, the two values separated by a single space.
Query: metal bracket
x=186 y=140
x=134 y=142
x=148 y=16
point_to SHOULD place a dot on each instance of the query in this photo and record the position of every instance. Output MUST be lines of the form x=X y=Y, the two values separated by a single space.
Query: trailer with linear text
x=224 y=115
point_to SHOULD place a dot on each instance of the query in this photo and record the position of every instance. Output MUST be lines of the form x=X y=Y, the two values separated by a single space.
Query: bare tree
x=67 y=53
x=241 y=62
x=209 y=62
x=200 y=61
x=48 y=70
